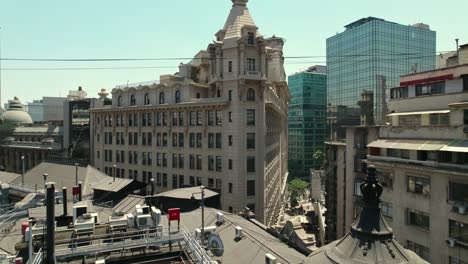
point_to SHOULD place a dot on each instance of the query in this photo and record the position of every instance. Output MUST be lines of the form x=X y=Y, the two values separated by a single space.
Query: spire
x=239 y=17
x=370 y=224
x=239 y=2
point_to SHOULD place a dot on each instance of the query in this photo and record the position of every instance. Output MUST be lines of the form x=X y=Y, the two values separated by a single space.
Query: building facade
x=221 y=121
x=307 y=119
x=423 y=154
x=47 y=109
x=370 y=55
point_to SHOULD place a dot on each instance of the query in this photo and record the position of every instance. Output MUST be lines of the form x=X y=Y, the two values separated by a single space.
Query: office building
x=370 y=55
x=424 y=156
x=221 y=122
x=307 y=119
x=47 y=109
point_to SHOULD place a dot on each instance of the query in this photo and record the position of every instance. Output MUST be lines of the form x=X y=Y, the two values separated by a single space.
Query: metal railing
x=199 y=254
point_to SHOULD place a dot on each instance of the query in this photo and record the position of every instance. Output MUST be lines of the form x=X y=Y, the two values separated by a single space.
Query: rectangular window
x=193 y=118
x=458 y=230
x=150 y=117
x=400 y=92
x=210 y=140
x=251 y=117
x=386 y=209
x=192 y=181
x=409 y=120
x=250 y=140
x=422 y=251
x=230 y=187
x=219 y=140
x=210 y=163
x=230 y=66
x=181 y=161
x=164 y=140
x=192 y=140
x=174 y=140
x=219 y=163
x=149 y=139
x=199 y=162
x=251 y=65
x=430 y=88
x=230 y=95
x=211 y=117
x=181 y=181
x=199 y=140
x=458 y=192
x=181 y=118
x=158 y=179
x=455 y=260
x=164 y=118
x=199 y=118
x=251 y=188
x=439 y=119
x=174 y=181
x=192 y=162
x=420 y=185
x=250 y=38
x=174 y=119
x=230 y=164
x=417 y=218
x=386 y=179
x=465 y=82
x=164 y=176
x=181 y=140
x=250 y=164
x=199 y=181
x=174 y=161
x=164 y=161
x=398 y=153
x=135 y=138
x=230 y=117
x=219 y=118
x=230 y=140
x=210 y=182
x=218 y=184
x=465 y=117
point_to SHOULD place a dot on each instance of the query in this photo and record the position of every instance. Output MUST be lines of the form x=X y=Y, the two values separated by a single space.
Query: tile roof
x=128 y=204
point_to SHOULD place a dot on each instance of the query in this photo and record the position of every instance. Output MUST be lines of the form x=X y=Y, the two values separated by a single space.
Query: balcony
x=433 y=164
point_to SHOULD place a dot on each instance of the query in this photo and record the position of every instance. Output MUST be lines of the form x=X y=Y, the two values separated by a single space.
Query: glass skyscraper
x=306 y=119
x=370 y=56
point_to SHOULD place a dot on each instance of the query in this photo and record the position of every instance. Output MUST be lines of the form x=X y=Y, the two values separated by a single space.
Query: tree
x=297 y=187
x=319 y=158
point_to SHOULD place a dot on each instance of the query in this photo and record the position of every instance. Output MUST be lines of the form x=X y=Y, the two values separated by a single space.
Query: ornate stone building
x=221 y=121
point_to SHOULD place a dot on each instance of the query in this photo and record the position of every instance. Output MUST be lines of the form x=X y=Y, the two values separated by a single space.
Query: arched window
x=177 y=97
x=119 y=101
x=161 y=98
x=132 y=100
x=147 y=99
x=251 y=94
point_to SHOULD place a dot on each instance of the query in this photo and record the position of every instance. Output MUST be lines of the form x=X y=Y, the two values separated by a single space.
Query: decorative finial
x=371 y=188
x=239 y=2
x=16 y=98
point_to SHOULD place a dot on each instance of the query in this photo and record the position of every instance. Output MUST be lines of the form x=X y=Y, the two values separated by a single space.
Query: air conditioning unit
x=239 y=232
x=130 y=220
x=270 y=259
x=79 y=210
x=462 y=209
x=84 y=224
x=144 y=221
x=450 y=242
x=198 y=233
x=101 y=261
x=219 y=218
x=156 y=214
x=118 y=222
x=210 y=230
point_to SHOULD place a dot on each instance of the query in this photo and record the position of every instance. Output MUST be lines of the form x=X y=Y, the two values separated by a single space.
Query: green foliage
x=319 y=157
x=297 y=187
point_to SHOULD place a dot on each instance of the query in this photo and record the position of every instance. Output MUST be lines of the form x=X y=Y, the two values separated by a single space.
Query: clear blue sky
x=179 y=28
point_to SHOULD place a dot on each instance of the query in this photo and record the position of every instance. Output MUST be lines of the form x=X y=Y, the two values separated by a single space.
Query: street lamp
x=76 y=174
x=202 y=212
x=152 y=186
x=22 y=173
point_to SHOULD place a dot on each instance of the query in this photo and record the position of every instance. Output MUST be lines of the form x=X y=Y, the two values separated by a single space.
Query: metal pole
x=152 y=186
x=113 y=174
x=76 y=174
x=22 y=173
x=30 y=243
x=203 y=213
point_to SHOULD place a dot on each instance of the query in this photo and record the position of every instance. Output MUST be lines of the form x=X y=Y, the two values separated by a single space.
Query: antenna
x=456 y=41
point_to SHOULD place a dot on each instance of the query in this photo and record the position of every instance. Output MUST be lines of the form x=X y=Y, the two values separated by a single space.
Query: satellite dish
x=215 y=244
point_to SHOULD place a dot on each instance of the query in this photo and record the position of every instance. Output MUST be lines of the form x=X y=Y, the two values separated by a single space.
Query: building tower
x=221 y=121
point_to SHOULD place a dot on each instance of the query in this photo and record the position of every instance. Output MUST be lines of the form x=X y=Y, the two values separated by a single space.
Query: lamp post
x=202 y=212
x=152 y=186
x=76 y=174
x=45 y=181
x=22 y=171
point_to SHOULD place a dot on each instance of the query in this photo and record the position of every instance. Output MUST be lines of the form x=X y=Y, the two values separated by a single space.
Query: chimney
x=80 y=191
x=64 y=202
x=50 y=222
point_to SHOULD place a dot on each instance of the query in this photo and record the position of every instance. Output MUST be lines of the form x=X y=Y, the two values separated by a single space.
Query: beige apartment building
x=221 y=122
x=422 y=154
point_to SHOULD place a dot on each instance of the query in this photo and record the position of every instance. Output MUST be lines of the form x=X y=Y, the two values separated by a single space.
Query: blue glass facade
x=371 y=55
x=306 y=119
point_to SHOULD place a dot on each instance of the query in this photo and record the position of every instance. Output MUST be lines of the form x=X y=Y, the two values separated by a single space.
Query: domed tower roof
x=239 y=17
x=15 y=114
x=370 y=239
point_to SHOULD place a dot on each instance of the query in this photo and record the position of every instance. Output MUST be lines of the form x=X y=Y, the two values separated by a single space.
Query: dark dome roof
x=370 y=240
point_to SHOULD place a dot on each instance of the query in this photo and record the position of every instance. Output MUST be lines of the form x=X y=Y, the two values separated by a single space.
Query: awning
x=409 y=144
x=420 y=113
x=456 y=146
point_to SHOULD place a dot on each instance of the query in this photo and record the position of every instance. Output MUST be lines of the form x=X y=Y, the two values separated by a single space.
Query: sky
x=90 y=29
